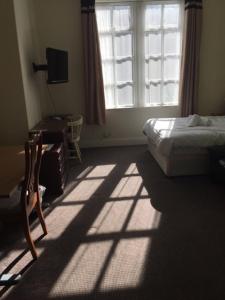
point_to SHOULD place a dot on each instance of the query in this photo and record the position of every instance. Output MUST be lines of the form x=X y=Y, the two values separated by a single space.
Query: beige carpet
x=125 y=231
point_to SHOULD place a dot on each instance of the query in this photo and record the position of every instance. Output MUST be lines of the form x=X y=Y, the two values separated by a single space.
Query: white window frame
x=114 y=60
x=138 y=68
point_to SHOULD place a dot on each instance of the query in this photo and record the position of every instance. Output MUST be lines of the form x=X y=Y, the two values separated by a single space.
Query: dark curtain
x=190 y=57
x=94 y=88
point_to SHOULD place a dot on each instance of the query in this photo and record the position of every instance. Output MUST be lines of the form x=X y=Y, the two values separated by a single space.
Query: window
x=140 y=49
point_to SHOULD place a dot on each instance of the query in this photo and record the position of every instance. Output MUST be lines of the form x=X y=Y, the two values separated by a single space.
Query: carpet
x=123 y=230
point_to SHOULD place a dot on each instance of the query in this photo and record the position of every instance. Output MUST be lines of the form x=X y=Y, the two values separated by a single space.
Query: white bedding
x=170 y=133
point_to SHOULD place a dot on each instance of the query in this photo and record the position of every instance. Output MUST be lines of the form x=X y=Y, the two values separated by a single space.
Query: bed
x=180 y=145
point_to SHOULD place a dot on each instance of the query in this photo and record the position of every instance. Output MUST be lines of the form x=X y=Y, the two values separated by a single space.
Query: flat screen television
x=57 y=62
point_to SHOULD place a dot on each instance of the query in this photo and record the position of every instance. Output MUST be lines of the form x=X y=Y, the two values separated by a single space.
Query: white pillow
x=193 y=120
x=196 y=120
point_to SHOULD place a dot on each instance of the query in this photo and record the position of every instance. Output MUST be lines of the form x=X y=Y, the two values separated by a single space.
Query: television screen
x=57 y=65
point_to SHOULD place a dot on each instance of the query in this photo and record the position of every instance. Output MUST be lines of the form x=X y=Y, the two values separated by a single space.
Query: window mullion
x=114 y=59
x=140 y=55
x=162 y=58
x=134 y=53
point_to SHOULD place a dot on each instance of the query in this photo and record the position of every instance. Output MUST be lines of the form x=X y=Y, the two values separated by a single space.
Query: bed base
x=182 y=161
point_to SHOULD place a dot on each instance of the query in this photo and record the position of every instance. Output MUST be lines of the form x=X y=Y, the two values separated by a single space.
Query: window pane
x=106 y=47
x=121 y=56
x=153 y=70
x=153 y=17
x=108 y=75
x=153 y=94
x=124 y=72
x=125 y=95
x=104 y=19
x=171 y=69
x=153 y=44
x=109 y=97
x=123 y=46
x=171 y=16
x=122 y=18
x=172 y=43
x=170 y=93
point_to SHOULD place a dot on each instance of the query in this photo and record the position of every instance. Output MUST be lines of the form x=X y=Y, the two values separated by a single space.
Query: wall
x=13 y=118
x=124 y=126
x=212 y=65
x=19 y=87
x=28 y=53
x=60 y=27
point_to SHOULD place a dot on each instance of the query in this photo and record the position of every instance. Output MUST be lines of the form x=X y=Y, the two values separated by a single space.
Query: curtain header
x=197 y=4
x=87 y=3
x=87 y=6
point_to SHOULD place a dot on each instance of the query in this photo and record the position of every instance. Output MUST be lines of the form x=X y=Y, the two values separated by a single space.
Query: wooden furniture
x=53 y=167
x=26 y=197
x=75 y=127
x=53 y=130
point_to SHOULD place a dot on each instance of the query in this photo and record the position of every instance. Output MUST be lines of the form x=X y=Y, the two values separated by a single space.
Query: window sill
x=143 y=107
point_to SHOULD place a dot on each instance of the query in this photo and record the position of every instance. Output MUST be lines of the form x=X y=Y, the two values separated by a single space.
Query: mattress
x=180 y=148
x=170 y=133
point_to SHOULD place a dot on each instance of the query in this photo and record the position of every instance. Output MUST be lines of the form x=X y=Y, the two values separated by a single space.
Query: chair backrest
x=33 y=153
x=75 y=127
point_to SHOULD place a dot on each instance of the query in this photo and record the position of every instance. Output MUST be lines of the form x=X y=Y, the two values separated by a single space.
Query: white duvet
x=192 y=131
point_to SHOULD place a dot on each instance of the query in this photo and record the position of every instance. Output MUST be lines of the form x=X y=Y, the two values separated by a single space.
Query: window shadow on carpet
x=123 y=230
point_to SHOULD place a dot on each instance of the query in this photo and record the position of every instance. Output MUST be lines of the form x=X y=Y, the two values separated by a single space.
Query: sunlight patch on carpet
x=101 y=171
x=84 y=190
x=132 y=170
x=82 y=271
x=63 y=216
x=143 y=216
x=127 y=265
x=112 y=217
x=127 y=187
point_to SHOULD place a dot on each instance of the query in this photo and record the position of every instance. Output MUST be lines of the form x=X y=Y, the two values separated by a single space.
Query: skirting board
x=113 y=142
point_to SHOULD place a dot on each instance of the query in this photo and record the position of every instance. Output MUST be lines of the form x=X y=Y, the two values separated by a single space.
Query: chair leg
x=72 y=152
x=30 y=242
x=40 y=214
x=78 y=151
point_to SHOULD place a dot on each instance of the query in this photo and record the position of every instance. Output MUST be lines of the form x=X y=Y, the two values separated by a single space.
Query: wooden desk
x=53 y=167
x=12 y=168
x=53 y=131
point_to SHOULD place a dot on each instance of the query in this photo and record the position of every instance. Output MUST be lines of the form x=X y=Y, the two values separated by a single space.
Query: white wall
x=58 y=26
x=13 y=118
x=27 y=50
x=19 y=87
x=212 y=64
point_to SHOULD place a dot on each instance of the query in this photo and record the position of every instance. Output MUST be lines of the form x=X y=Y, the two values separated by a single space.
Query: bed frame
x=191 y=161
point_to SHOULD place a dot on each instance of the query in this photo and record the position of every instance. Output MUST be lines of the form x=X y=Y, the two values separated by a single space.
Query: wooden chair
x=75 y=127
x=27 y=196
